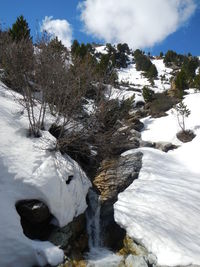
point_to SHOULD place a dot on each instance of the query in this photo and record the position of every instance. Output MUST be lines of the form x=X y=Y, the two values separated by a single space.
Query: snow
x=132 y=76
x=31 y=169
x=165 y=128
x=101 y=49
x=123 y=94
x=160 y=85
x=161 y=209
x=136 y=80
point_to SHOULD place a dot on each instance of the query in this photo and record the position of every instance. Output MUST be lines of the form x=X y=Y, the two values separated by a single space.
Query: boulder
x=33 y=210
x=35 y=219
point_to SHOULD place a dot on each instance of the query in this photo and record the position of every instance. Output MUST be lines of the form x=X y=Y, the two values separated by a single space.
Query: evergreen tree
x=75 y=46
x=20 y=30
x=148 y=94
x=182 y=112
x=181 y=80
x=197 y=81
x=161 y=54
x=189 y=66
x=152 y=72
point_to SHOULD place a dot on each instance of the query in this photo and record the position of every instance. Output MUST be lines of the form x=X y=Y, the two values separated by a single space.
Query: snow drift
x=162 y=208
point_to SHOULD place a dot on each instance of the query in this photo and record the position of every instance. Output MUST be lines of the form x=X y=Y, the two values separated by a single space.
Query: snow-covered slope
x=133 y=81
x=30 y=171
x=138 y=80
x=162 y=208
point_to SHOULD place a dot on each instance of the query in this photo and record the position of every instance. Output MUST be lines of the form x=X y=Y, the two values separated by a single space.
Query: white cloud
x=60 y=28
x=140 y=23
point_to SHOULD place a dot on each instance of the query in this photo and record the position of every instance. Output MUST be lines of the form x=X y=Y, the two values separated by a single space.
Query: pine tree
x=20 y=30
x=182 y=112
x=181 y=81
x=148 y=94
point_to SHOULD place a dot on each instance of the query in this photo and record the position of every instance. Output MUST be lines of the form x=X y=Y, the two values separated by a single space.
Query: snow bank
x=162 y=208
x=30 y=171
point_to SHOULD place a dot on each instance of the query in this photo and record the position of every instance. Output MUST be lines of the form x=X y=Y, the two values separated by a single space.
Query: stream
x=98 y=255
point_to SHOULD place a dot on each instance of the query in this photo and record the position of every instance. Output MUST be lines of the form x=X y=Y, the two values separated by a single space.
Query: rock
x=55 y=130
x=185 y=136
x=135 y=134
x=135 y=261
x=33 y=210
x=35 y=219
x=136 y=124
x=130 y=247
x=133 y=143
x=117 y=174
x=147 y=144
x=74 y=263
x=165 y=147
x=72 y=238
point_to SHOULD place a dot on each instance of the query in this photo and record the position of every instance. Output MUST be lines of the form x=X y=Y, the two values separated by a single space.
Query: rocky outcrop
x=117 y=174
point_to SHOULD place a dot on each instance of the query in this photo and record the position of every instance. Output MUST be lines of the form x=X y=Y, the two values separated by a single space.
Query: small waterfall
x=93 y=220
x=98 y=255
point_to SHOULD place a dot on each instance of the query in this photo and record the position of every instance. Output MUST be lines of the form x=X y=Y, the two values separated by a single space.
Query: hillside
x=106 y=118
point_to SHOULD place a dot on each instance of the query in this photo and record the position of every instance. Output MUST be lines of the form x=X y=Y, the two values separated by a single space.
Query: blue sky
x=185 y=39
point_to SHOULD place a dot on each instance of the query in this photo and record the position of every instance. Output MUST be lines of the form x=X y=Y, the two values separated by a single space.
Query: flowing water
x=98 y=255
